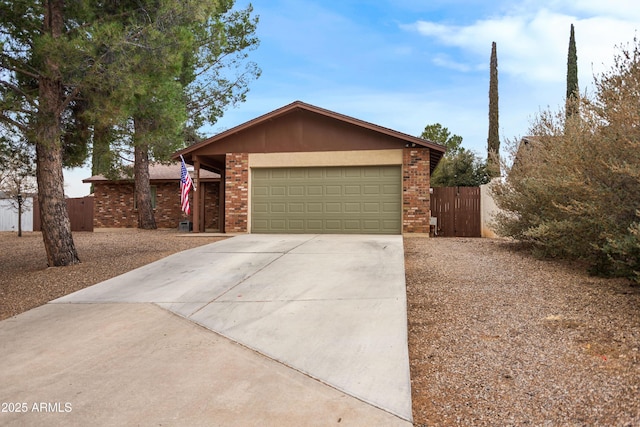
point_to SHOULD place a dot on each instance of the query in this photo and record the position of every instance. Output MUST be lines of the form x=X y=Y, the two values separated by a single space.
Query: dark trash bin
x=185 y=226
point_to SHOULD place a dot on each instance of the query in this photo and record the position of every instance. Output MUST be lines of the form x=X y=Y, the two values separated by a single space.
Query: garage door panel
x=296 y=225
x=332 y=172
x=299 y=173
x=371 y=225
x=261 y=208
x=391 y=172
x=276 y=208
x=333 y=207
x=371 y=207
x=372 y=172
x=352 y=172
x=261 y=173
x=315 y=190
x=315 y=208
x=278 y=225
x=277 y=190
x=296 y=190
x=314 y=225
x=390 y=207
x=352 y=207
x=390 y=189
x=388 y=224
x=312 y=173
x=371 y=190
x=261 y=190
x=278 y=174
x=333 y=226
x=333 y=190
x=261 y=224
x=327 y=200
x=296 y=208
x=352 y=225
x=351 y=190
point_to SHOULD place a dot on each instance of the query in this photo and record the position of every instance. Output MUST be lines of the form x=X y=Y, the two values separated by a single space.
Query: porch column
x=196 y=196
x=203 y=216
x=221 y=199
x=416 y=209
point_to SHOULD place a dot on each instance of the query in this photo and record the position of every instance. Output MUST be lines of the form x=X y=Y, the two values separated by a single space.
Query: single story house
x=114 y=202
x=305 y=169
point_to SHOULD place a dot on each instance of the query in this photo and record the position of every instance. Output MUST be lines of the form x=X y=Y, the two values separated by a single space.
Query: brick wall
x=211 y=209
x=416 y=210
x=237 y=193
x=114 y=207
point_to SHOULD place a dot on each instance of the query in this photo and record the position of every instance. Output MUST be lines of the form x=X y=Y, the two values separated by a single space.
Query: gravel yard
x=496 y=337
x=26 y=282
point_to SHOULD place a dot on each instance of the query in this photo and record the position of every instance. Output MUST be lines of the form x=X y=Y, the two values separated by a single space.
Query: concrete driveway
x=252 y=330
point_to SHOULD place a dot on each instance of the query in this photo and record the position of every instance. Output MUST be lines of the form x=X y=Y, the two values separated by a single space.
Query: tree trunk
x=56 y=227
x=19 y=217
x=146 y=219
x=100 y=162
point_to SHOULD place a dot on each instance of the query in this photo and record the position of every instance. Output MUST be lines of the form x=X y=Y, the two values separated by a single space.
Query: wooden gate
x=457 y=210
x=80 y=214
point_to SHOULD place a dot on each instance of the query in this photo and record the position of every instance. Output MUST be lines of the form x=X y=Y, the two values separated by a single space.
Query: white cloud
x=444 y=60
x=625 y=10
x=533 y=45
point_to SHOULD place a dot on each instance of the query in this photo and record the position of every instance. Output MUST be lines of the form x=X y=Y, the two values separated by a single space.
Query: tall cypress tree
x=572 y=77
x=493 y=140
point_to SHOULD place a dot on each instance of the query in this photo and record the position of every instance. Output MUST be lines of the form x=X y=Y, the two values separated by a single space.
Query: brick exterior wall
x=113 y=205
x=237 y=193
x=416 y=208
x=211 y=209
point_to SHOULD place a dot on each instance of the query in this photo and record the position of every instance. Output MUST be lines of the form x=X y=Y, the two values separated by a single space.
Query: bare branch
x=20 y=92
x=12 y=122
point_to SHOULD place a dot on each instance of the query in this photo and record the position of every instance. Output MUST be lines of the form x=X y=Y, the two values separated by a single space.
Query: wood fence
x=80 y=214
x=457 y=210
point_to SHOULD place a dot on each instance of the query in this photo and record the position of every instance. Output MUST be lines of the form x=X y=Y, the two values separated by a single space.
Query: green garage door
x=362 y=199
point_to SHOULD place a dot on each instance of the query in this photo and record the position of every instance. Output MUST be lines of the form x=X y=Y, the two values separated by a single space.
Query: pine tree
x=67 y=67
x=493 y=140
x=573 y=92
x=36 y=92
x=176 y=78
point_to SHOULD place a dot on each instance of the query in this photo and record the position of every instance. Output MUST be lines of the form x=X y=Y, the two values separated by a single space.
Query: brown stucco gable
x=301 y=127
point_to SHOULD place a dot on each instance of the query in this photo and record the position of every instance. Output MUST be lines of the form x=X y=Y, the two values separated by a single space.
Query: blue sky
x=405 y=64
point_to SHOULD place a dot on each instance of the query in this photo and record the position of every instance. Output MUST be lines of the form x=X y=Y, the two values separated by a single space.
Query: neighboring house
x=9 y=213
x=114 y=204
x=304 y=169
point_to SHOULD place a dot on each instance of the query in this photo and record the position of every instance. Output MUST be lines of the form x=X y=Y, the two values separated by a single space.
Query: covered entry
x=348 y=199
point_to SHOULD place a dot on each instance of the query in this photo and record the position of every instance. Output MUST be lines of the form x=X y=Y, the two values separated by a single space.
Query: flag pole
x=193 y=184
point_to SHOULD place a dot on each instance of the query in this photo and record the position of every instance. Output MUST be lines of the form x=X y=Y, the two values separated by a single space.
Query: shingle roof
x=157 y=172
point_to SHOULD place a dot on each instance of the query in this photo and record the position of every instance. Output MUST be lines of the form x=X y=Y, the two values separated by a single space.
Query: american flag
x=185 y=186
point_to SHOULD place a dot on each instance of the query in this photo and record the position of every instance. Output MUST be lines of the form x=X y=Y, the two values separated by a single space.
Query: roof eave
x=409 y=139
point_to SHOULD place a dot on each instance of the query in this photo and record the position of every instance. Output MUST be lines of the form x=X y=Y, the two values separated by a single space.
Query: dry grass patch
x=26 y=282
